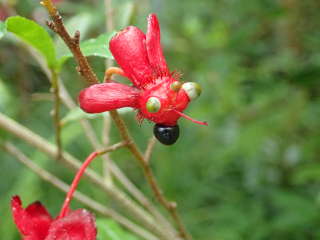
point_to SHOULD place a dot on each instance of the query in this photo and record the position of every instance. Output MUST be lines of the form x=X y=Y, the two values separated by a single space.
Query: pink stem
x=191 y=119
x=73 y=187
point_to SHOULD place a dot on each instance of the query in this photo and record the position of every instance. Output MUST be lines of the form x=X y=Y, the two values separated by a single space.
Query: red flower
x=156 y=93
x=35 y=223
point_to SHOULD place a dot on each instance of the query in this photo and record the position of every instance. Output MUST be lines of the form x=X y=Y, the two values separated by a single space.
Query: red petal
x=129 y=50
x=33 y=222
x=108 y=96
x=78 y=225
x=155 y=55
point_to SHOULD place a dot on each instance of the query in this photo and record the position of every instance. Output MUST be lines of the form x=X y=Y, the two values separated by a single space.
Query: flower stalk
x=79 y=174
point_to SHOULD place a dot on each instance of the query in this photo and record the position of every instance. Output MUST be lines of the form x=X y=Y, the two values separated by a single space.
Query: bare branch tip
x=50 y=7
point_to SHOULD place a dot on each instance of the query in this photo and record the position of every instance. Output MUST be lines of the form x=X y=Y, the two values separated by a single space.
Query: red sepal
x=154 y=49
x=108 y=96
x=33 y=222
x=129 y=50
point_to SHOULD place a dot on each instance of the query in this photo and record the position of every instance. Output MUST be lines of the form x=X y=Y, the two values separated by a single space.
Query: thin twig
x=93 y=140
x=170 y=206
x=118 y=196
x=79 y=174
x=89 y=202
x=86 y=71
x=72 y=42
x=106 y=119
x=44 y=146
x=56 y=111
x=106 y=164
x=148 y=152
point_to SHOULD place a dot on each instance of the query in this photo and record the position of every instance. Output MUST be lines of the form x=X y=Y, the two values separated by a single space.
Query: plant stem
x=170 y=206
x=150 y=147
x=86 y=71
x=56 y=111
x=106 y=119
x=72 y=42
x=51 y=150
x=93 y=140
x=76 y=180
x=45 y=175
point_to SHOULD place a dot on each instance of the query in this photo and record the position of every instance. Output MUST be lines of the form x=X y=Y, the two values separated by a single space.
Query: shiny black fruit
x=167 y=135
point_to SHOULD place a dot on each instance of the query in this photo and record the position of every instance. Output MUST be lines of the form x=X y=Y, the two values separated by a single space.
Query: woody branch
x=86 y=71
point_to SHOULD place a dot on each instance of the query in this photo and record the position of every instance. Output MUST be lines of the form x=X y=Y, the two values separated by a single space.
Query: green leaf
x=3 y=29
x=109 y=229
x=76 y=114
x=306 y=173
x=34 y=35
x=94 y=47
x=125 y=14
x=97 y=47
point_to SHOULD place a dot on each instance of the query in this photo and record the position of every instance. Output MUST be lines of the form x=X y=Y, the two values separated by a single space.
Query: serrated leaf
x=94 y=47
x=111 y=230
x=34 y=35
x=3 y=29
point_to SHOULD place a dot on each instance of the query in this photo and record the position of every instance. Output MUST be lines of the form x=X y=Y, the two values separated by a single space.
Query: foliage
x=109 y=229
x=253 y=173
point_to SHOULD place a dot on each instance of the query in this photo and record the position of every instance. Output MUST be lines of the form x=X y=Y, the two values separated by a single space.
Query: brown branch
x=89 y=202
x=72 y=42
x=44 y=146
x=86 y=71
x=93 y=140
x=170 y=206
x=150 y=147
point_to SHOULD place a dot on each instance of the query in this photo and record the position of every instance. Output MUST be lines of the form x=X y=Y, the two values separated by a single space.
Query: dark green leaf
x=109 y=229
x=34 y=35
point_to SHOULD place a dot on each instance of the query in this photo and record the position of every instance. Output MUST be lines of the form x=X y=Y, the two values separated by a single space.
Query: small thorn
x=172 y=205
x=76 y=37
x=51 y=25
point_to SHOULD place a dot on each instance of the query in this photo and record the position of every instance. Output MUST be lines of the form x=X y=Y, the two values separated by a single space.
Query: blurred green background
x=254 y=173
